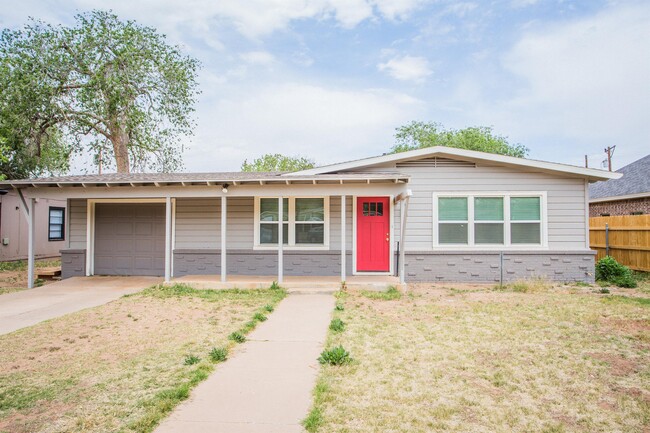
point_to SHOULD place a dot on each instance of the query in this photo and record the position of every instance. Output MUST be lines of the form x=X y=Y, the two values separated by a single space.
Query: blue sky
x=332 y=79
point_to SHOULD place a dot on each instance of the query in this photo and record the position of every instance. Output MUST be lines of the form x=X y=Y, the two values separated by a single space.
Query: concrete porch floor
x=293 y=284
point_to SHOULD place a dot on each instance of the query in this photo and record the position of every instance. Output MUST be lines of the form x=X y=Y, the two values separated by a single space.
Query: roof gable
x=461 y=155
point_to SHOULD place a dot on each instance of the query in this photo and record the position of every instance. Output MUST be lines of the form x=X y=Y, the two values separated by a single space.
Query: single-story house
x=434 y=214
x=629 y=195
x=49 y=230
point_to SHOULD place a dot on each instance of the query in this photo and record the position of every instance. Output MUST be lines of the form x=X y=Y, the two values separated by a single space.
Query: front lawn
x=124 y=365
x=476 y=359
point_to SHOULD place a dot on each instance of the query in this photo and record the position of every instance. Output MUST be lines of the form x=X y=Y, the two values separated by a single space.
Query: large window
x=304 y=221
x=488 y=220
x=56 y=224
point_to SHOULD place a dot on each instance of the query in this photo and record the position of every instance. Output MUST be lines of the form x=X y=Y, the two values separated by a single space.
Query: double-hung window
x=488 y=220
x=304 y=221
x=56 y=224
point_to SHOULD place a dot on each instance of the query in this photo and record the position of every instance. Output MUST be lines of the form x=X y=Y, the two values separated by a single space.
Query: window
x=304 y=221
x=488 y=220
x=56 y=224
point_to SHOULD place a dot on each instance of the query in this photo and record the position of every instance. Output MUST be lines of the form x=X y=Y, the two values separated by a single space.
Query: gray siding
x=565 y=199
x=77 y=227
x=198 y=223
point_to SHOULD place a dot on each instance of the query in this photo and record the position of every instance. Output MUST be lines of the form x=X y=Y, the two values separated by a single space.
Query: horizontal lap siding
x=565 y=200
x=198 y=223
x=77 y=230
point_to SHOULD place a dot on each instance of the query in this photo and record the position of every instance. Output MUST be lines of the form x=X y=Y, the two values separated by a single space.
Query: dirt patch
x=618 y=365
x=95 y=370
x=13 y=277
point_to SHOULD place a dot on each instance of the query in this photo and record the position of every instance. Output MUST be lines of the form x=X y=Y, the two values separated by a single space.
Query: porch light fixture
x=225 y=188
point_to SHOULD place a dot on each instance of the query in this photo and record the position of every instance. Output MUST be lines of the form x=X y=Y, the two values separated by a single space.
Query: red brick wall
x=620 y=207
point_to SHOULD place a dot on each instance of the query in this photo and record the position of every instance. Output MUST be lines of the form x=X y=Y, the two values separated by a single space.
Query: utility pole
x=586 y=161
x=609 y=150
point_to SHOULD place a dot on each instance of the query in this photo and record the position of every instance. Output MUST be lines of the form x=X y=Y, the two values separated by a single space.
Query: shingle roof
x=160 y=179
x=635 y=180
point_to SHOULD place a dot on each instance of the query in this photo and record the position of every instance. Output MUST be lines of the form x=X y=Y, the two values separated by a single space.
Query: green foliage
x=237 y=337
x=259 y=317
x=337 y=325
x=313 y=421
x=276 y=162
x=191 y=360
x=101 y=86
x=339 y=307
x=611 y=271
x=418 y=135
x=269 y=308
x=275 y=286
x=219 y=354
x=335 y=356
x=389 y=295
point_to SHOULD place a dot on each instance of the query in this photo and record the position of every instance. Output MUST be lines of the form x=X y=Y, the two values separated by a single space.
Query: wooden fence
x=629 y=239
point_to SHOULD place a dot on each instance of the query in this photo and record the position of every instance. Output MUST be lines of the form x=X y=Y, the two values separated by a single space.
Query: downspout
x=405 y=210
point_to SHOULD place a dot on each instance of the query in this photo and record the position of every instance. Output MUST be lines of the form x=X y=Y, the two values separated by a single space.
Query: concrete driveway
x=29 y=307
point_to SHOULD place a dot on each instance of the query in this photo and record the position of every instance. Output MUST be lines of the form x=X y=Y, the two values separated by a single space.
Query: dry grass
x=118 y=367
x=13 y=275
x=440 y=359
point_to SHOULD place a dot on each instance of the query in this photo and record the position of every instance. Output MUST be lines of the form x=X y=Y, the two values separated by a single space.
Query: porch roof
x=203 y=179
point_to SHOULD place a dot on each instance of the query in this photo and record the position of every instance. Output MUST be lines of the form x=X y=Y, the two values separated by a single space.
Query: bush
x=611 y=271
x=237 y=337
x=335 y=356
x=191 y=360
x=337 y=325
x=218 y=354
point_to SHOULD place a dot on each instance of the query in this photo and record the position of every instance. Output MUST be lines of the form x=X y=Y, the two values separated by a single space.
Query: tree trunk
x=120 y=140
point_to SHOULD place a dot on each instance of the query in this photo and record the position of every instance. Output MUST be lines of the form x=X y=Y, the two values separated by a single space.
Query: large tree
x=104 y=86
x=417 y=135
x=277 y=162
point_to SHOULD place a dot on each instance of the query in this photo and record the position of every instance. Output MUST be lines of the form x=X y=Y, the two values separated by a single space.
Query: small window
x=636 y=213
x=373 y=209
x=56 y=229
x=526 y=222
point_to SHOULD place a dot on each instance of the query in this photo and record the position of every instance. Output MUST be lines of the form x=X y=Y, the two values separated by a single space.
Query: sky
x=332 y=79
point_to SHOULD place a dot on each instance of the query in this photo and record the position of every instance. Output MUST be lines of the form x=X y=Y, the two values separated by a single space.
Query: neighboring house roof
x=635 y=183
x=468 y=155
x=235 y=178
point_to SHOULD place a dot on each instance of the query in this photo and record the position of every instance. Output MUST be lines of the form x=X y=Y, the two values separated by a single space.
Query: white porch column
x=402 y=236
x=29 y=212
x=224 y=219
x=280 y=239
x=343 y=255
x=168 y=239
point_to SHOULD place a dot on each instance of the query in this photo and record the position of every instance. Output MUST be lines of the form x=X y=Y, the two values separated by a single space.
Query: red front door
x=373 y=234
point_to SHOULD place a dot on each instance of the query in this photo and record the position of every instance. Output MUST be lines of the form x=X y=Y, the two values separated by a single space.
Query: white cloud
x=261 y=58
x=297 y=119
x=407 y=68
x=576 y=87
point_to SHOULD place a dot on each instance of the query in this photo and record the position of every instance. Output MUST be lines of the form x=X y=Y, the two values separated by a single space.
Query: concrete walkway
x=266 y=386
x=29 y=307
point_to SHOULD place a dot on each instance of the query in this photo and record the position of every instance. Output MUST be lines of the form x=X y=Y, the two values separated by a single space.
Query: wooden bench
x=48 y=273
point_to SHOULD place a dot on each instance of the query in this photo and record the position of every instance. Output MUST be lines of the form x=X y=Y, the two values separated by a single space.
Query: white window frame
x=291 y=245
x=507 y=244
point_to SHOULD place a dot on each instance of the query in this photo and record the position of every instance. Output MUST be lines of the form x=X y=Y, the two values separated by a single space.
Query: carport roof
x=189 y=179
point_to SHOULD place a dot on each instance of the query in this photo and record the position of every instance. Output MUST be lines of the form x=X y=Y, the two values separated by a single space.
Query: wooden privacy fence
x=629 y=239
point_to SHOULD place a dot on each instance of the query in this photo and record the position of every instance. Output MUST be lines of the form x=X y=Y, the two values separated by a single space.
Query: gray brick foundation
x=250 y=262
x=463 y=266
x=73 y=263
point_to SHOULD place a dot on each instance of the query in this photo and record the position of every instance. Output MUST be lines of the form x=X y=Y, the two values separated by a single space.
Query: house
x=629 y=195
x=434 y=214
x=49 y=230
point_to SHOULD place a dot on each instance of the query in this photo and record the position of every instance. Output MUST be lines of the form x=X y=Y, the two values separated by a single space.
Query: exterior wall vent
x=435 y=162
